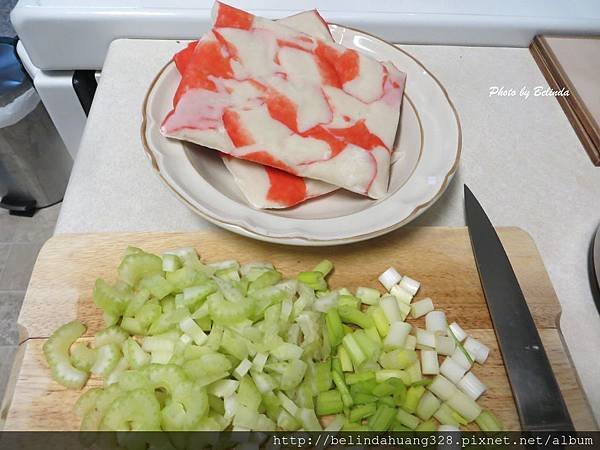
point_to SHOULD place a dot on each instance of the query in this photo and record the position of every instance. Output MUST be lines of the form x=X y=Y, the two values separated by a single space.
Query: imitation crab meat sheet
x=264 y=92
x=266 y=187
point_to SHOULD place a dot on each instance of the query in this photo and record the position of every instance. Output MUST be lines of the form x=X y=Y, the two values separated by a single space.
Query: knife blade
x=537 y=395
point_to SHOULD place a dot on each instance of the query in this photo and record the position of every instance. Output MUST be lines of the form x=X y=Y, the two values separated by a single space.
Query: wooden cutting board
x=441 y=258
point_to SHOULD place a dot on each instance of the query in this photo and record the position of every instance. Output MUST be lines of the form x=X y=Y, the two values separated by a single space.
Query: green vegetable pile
x=195 y=346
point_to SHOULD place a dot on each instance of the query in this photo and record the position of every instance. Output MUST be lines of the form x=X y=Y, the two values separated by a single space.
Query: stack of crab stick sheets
x=293 y=114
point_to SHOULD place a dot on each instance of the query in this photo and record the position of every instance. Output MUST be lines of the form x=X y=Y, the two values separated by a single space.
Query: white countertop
x=520 y=157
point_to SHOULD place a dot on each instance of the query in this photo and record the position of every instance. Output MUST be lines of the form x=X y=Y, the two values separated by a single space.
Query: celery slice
x=486 y=421
x=138 y=410
x=158 y=286
x=108 y=358
x=293 y=375
x=56 y=351
x=382 y=419
x=348 y=314
x=110 y=335
x=82 y=357
x=135 y=355
x=87 y=402
x=314 y=279
x=329 y=402
x=136 y=266
x=108 y=299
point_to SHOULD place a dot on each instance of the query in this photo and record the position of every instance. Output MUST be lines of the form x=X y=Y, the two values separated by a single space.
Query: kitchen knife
x=537 y=396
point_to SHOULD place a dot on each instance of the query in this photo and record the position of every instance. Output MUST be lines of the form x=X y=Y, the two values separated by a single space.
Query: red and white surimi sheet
x=260 y=91
x=266 y=187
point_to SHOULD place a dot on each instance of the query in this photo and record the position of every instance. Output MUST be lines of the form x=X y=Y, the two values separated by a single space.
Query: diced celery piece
x=136 y=266
x=348 y=314
x=107 y=359
x=314 y=279
x=309 y=420
x=188 y=404
x=170 y=263
x=360 y=412
x=349 y=301
x=338 y=380
x=329 y=402
x=87 y=402
x=345 y=360
x=114 y=376
x=56 y=351
x=293 y=375
x=247 y=394
x=223 y=388
x=406 y=419
x=369 y=296
x=382 y=419
x=287 y=404
x=137 y=410
x=445 y=415
x=385 y=374
x=191 y=328
x=287 y=422
x=169 y=320
x=158 y=286
x=265 y=279
x=108 y=299
x=486 y=421
x=111 y=335
x=323 y=376
x=242 y=369
x=414 y=372
x=135 y=355
x=413 y=397
x=264 y=382
x=287 y=351
x=381 y=322
x=427 y=426
x=428 y=405
x=324 y=267
x=82 y=357
x=137 y=300
x=356 y=353
x=233 y=346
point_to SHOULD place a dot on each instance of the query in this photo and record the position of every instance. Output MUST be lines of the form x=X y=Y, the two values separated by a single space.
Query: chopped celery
x=136 y=266
x=342 y=388
x=344 y=359
x=56 y=351
x=349 y=301
x=356 y=353
x=329 y=402
x=413 y=396
x=158 y=286
x=382 y=419
x=293 y=375
x=247 y=394
x=83 y=357
x=486 y=421
x=369 y=296
x=398 y=359
x=427 y=426
x=360 y=412
x=381 y=321
x=107 y=359
x=353 y=378
x=325 y=267
x=170 y=263
x=406 y=419
x=348 y=314
x=323 y=376
x=427 y=406
x=111 y=335
x=108 y=299
x=135 y=355
x=334 y=327
x=87 y=402
x=309 y=420
x=315 y=280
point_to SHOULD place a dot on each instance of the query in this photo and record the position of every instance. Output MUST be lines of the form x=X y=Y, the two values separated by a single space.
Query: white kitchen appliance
x=64 y=42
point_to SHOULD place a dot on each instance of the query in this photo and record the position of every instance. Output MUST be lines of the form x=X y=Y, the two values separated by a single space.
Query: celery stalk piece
x=111 y=335
x=397 y=359
x=411 y=342
x=135 y=355
x=110 y=319
x=304 y=396
x=486 y=421
x=413 y=397
x=354 y=350
x=344 y=359
x=309 y=420
x=287 y=352
x=471 y=385
x=293 y=375
x=326 y=302
x=353 y=378
x=414 y=372
x=225 y=312
x=338 y=380
x=381 y=322
x=138 y=410
x=425 y=338
x=108 y=358
x=382 y=419
x=406 y=419
x=446 y=416
x=188 y=404
x=349 y=301
x=444 y=345
x=360 y=412
x=247 y=394
x=324 y=267
x=158 y=286
x=108 y=299
x=352 y=315
x=137 y=300
x=428 y=426
x=209 y=363
x=455 y=331
x=136 y=266
x=193 y=295
x=131 y=380
x=329 y=402
x=114 y=376
x=367 y=295
x=242 y=369
x=323 y=378
x=87 y=401
x=336 y=423
x=287 y=422
x=314 y=279
x=404 y=310
x=477 y=350
x=333 y=324
x=259 y=361
x=223 y=388
x=409 y=285
x=287 y=404
x=191 y=329
x=170 y=263
x=83 y=357
x=385 y=374
x=388 y=387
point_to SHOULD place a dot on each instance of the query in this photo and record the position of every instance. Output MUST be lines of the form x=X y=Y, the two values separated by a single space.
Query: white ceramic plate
x=426 y=156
